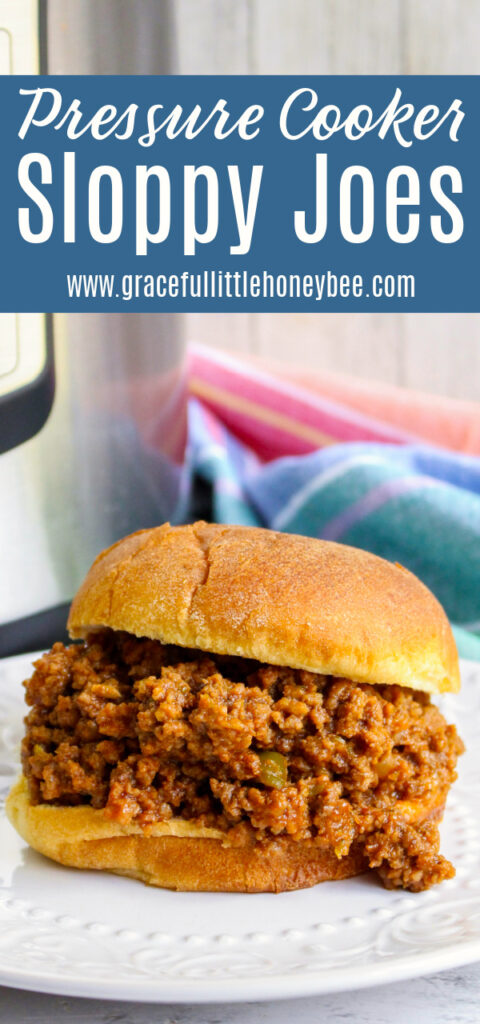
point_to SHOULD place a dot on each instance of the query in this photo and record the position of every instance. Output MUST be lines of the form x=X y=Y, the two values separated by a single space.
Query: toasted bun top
x=275 y=597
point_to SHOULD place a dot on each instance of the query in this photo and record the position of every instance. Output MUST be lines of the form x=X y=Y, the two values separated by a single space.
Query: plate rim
x=261 y=987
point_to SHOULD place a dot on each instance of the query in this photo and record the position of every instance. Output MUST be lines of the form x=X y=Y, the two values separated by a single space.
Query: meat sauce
x=149 y=732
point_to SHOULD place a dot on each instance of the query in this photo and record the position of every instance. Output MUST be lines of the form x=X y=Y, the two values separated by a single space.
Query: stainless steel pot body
x=109 y=458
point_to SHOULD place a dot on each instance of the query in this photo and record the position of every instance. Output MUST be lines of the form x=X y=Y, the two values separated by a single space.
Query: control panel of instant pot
x=19 y=37
x=26 y=377
x=26 y=359
x=8 y=346
x=23 y=350
x=5 y=53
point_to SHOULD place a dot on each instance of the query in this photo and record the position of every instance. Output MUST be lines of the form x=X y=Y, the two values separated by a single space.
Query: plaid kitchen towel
x=407 y=501
x=280 y=410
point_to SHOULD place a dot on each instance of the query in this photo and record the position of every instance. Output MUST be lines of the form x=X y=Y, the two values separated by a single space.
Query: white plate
x=88 y=934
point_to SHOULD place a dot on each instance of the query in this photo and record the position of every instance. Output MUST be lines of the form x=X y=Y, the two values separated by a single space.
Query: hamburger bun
x=180 y=855
x=278 y=598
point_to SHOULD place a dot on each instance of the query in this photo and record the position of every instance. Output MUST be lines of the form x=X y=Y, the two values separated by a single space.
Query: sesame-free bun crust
x=176 y=854
x=279 y=598
x=179 y=854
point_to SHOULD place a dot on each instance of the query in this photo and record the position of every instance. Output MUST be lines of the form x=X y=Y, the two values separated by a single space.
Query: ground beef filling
x=149 y=732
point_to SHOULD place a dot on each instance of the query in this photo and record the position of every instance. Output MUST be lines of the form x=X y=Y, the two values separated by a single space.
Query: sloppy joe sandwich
x=245 y=711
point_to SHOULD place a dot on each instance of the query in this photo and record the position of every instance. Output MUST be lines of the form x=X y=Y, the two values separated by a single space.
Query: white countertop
x=449 y=998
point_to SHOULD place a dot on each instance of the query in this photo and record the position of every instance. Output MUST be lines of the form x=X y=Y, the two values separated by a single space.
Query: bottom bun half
x=176 y=855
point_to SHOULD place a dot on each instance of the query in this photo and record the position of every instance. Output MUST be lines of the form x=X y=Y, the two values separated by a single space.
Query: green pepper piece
x=273 y=769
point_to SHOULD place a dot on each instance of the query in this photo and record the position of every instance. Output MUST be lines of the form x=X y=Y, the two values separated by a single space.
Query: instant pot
x=92 y=406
